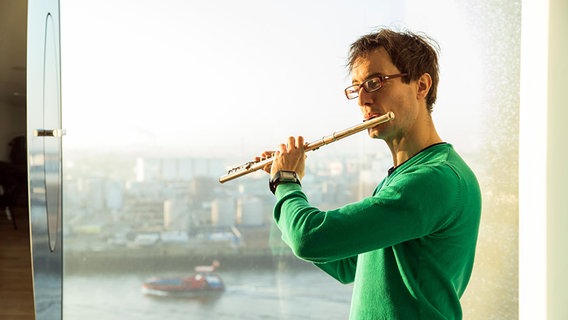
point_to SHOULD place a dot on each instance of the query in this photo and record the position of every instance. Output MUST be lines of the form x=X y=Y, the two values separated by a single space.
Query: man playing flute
x=409 y=247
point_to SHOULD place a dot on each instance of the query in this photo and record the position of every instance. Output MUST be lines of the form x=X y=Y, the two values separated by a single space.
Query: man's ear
x=424 y=84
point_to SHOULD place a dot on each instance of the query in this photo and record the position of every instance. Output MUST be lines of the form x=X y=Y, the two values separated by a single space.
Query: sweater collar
x=392 y=169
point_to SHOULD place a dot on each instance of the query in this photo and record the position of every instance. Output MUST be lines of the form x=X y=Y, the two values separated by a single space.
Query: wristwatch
x=283 y=176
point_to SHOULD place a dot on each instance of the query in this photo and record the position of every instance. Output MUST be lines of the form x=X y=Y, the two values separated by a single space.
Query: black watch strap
x=283 y=177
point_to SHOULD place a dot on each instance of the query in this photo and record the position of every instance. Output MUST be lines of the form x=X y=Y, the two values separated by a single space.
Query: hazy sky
x=235 y=77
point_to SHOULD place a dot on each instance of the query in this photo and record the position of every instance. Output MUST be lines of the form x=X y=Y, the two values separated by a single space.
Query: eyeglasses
x=370 y=85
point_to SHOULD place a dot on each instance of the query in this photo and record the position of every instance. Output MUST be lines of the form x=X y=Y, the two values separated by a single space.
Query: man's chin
x=374 y=134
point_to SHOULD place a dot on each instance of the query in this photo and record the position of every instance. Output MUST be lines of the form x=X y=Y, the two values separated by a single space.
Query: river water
x=250 y=294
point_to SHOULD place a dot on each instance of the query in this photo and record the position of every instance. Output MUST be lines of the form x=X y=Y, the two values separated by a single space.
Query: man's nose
x=365 y=98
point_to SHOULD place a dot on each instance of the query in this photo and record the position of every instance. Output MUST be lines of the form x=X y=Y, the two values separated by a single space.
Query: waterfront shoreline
x=119 y=262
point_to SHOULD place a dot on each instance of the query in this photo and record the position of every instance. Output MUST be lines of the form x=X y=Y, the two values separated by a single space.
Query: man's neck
x=405 y=147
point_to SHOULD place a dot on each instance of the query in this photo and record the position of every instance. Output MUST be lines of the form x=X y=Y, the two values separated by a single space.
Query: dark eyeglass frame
x=352 y=92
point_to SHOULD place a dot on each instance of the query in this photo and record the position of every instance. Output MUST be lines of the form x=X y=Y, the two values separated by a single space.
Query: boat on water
x=203 y=282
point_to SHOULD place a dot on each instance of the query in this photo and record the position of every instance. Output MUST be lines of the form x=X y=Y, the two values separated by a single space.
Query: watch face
x=283 y=177
x=287 y=176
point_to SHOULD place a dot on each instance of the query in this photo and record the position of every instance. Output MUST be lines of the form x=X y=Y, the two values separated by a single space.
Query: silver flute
x=253 y=166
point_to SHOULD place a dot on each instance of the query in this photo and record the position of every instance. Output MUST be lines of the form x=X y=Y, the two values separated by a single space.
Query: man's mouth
x=371 y=116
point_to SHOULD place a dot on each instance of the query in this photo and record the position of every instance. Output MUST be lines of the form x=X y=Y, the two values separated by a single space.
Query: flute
x=253 y=166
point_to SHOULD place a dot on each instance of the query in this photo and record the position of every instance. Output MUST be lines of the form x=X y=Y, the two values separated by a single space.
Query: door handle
x=49 y=133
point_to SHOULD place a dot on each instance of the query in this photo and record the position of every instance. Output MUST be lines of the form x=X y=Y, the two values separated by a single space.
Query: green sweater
x=408 y=248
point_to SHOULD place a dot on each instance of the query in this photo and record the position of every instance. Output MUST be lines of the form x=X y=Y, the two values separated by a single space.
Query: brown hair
x=411 y=53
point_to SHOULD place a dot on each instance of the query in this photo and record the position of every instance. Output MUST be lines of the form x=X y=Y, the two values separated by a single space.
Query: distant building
x=223 y=212
x=250 y=211
x=145 y=213
x=113 y=194
x=176 y=216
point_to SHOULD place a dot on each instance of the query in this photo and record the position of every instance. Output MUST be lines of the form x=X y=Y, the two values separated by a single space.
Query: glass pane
x=149 y=132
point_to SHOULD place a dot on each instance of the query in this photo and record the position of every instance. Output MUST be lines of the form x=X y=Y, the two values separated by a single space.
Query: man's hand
x=290 y=157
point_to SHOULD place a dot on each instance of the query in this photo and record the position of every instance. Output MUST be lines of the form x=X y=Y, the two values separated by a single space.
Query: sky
x=225 y=77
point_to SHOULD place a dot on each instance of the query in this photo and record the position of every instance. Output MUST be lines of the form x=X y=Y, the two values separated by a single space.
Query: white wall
x=557 y=171
x=543 y=172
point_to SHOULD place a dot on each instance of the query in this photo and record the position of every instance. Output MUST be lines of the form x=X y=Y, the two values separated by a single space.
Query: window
x=151 y=128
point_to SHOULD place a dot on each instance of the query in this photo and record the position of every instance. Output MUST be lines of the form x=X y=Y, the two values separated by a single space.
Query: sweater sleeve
x=409 y=206
x=342 y=270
